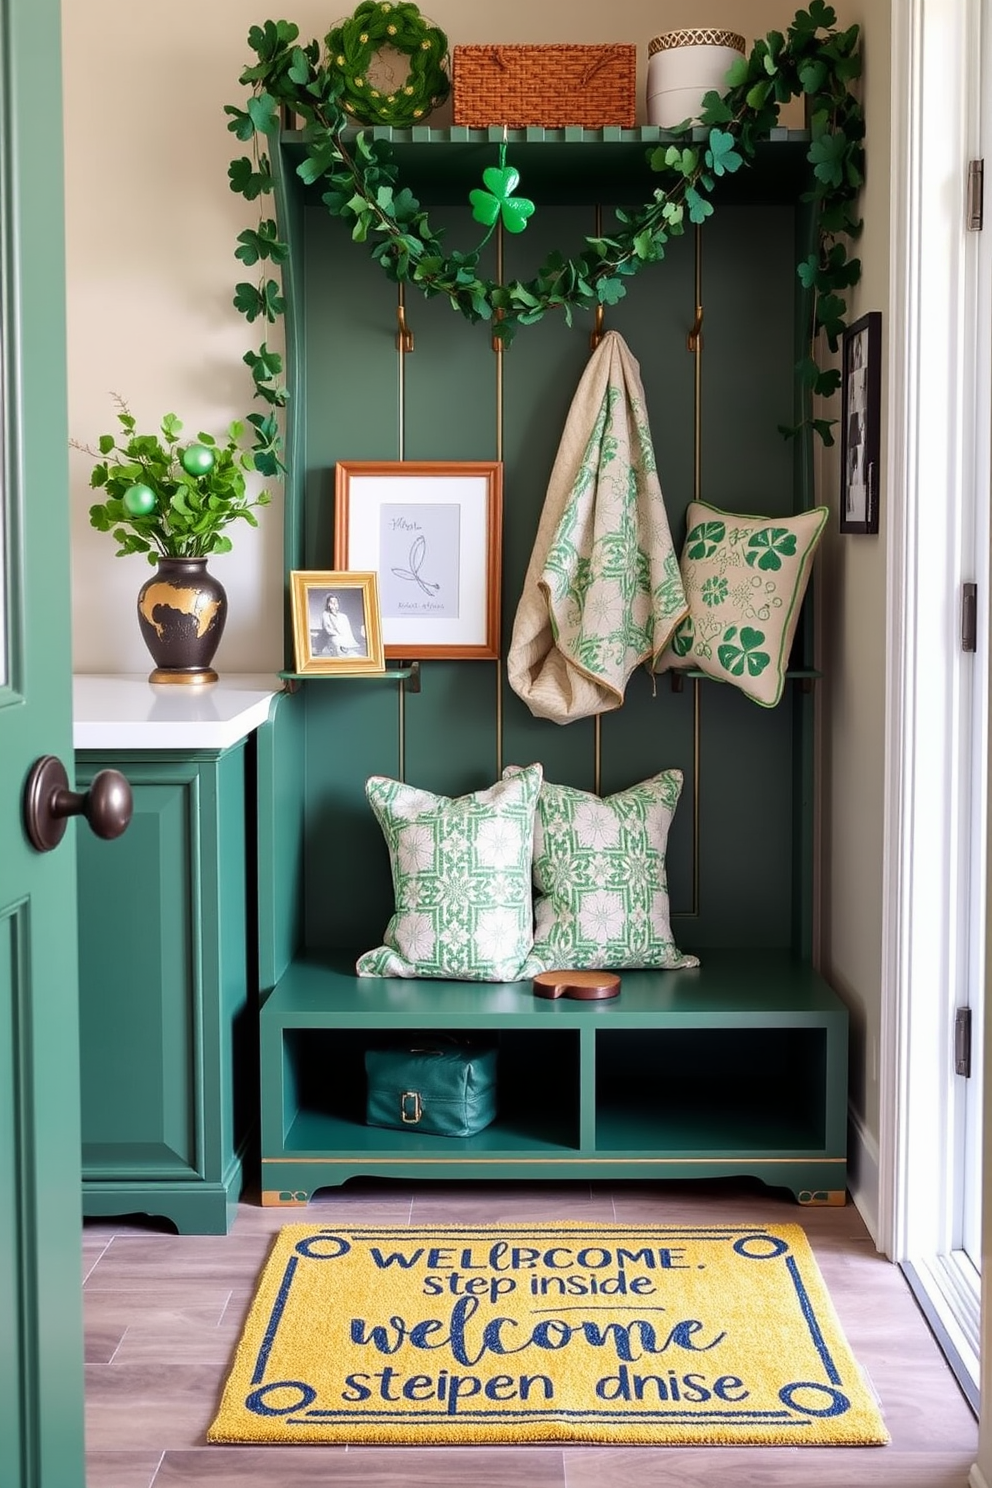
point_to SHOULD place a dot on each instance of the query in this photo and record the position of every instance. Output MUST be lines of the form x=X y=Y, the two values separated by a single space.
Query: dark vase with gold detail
x=181 y=611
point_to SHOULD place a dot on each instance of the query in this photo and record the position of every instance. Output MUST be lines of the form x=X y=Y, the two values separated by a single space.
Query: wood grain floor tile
x=758 y=1467
x=121 y=1469
x=364 y=1467
x=101 y=1341
x=150 y=1405
x=181 y=1338
x=92 y=1251
x=131 y=1261
x=475 y=1203
x=134 y=1302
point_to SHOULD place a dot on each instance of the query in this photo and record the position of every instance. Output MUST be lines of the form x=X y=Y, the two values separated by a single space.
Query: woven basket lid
x=704 y=36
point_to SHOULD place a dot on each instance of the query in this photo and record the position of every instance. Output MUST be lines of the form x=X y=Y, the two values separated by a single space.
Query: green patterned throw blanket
x=603 y=591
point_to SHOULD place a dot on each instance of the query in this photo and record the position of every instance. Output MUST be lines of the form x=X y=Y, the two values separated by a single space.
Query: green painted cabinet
x=166 y=1026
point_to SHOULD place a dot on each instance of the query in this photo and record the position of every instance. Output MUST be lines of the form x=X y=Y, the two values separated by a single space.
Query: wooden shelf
x=409 y=673
x=572 y=166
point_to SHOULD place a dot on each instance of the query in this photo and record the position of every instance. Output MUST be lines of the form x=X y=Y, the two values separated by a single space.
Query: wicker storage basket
x=554 y=85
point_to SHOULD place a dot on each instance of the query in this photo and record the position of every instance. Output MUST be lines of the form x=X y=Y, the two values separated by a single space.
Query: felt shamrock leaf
x=498 y=201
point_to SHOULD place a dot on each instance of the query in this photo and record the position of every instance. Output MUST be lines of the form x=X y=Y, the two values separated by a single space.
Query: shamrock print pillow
x=744 y=578
x=461 y=880
x=599 y=871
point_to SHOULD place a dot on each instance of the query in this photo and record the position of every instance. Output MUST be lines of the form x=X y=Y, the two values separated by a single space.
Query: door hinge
x=969 y=617
x=962 y=1042
x=976 y=195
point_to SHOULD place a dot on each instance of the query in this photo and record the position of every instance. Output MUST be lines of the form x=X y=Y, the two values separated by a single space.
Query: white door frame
x=937 y=537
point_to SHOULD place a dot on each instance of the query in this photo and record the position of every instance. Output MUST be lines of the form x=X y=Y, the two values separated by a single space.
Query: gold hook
x=404 y=336
x=596 y=334
x=694 y=339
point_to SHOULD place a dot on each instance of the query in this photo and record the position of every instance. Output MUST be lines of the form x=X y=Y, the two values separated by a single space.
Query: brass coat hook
x=596 y=334
x=694 y=339
x=404 y=336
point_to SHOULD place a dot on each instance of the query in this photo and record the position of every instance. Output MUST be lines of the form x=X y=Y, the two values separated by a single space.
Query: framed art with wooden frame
x=432 y=530
x=336 y=625
x=861 y=395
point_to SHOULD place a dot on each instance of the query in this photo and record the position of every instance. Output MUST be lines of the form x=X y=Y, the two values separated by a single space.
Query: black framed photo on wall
x=861 y=385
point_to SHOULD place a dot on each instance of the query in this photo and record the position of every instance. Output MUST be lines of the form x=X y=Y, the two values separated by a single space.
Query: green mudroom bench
x=739 y=1067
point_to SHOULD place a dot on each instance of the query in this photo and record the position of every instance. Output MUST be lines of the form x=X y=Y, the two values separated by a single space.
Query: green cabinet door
x=165 y=1047
x=41 y=1336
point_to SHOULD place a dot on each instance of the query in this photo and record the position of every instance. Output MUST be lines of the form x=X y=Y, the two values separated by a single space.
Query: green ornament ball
x=197 y=459
x=139 y=500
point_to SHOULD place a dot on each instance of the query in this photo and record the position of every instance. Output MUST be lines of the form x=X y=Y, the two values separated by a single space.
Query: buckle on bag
x=410 y=1107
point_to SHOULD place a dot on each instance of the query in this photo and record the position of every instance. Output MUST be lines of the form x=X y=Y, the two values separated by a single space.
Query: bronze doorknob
x=48 y=803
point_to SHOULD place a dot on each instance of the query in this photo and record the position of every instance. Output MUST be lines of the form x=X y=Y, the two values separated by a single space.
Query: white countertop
x=128 y=712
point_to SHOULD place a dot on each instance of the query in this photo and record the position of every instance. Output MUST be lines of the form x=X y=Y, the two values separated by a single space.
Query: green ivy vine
x=812 y=60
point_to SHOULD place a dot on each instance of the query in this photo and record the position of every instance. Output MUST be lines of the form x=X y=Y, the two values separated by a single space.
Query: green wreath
x=359 y=178
x=353 y=46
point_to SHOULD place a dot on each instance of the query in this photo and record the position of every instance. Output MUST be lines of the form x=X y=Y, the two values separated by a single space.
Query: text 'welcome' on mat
x=563 y=1332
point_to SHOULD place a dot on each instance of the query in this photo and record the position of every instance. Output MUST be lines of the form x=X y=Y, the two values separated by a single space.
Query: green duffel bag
x=441 y=1086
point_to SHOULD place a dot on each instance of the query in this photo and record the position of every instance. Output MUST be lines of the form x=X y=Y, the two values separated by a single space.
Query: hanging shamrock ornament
x=498 y=202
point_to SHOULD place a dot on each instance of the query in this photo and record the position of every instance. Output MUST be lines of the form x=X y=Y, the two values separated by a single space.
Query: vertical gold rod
x=698 y=401
x=697 y=489
x=401 y=448
x=597 y=734
x=499 y=456
x=401 y=372
x=695 y=793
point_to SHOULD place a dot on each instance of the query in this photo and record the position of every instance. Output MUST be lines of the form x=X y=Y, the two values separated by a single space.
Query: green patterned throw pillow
x=744 y=578
x=599 y=870
x=461 y=880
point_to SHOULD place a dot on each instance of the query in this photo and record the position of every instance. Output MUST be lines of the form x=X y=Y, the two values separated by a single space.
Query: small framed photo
x=432 y=531
x=336 y=626
x=861 y=395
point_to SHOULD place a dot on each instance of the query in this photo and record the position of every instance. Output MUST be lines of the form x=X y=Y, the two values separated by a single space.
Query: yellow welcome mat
x=545 y=1332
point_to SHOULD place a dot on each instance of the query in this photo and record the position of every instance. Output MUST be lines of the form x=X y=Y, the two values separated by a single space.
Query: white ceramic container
x=685 y=65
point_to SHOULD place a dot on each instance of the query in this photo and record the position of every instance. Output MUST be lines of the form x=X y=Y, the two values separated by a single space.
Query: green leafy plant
x=358 y=172
x=173 y=499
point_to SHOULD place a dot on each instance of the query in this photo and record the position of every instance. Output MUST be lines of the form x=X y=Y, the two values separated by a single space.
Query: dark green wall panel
x=748 y=270
x=733 y=881
x=451 y=728
x=352 y=732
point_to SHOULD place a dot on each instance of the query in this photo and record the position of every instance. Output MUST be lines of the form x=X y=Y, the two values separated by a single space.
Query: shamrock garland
x=812 y=60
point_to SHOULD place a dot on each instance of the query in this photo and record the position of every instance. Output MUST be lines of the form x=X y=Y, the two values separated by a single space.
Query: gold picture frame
x=336 y=624
x=432 y=531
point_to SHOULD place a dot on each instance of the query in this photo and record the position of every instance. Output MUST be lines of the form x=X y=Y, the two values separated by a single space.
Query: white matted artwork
x=431 y=531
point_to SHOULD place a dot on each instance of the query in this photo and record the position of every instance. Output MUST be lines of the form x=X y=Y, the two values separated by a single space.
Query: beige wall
x=852 y=627
x=151 y=230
